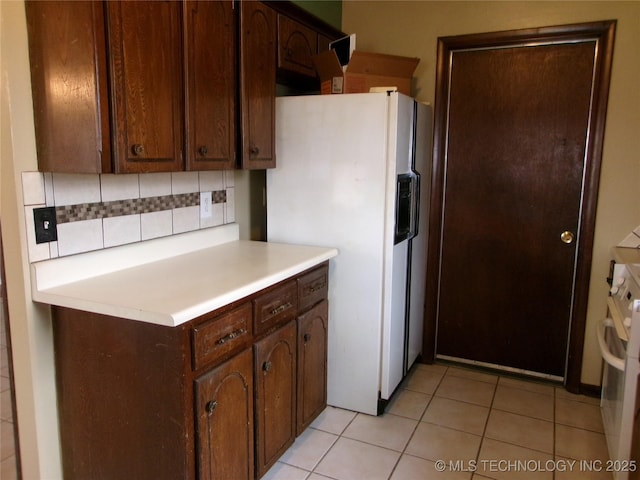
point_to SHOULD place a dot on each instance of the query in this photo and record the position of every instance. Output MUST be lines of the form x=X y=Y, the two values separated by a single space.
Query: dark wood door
x=312 y=364
x=210 y=49
x=224 y=420
x=517 y=125
x=145 y=40
x=275 y=377
x=258 y=85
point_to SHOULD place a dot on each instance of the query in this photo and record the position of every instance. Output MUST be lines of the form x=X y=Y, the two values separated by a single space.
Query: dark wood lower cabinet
x=124 y=403
x=312 y=364
x=224 y=411
x=275 y=378
x=214 y=398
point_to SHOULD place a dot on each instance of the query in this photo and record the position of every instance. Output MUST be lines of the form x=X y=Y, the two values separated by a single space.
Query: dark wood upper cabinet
x=210 y=66
x=258 y=84
x=145 y=45
x=297 y=44
x=300 y=36
x=69 y=78
x=153 y=86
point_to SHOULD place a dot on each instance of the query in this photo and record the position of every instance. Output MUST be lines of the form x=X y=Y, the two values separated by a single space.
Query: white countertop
x=171 y=281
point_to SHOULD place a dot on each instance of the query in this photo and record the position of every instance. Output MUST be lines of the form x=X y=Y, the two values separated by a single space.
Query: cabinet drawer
x=313 y=287
x=221 y=335
x=275 y=307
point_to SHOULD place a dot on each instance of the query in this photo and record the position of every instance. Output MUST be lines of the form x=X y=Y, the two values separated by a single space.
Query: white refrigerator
x=353 y=172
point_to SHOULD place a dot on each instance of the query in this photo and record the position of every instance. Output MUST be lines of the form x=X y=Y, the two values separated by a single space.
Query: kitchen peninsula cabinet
x=219 y=396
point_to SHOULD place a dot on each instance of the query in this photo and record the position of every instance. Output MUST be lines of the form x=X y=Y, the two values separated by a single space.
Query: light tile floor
x=448 y=422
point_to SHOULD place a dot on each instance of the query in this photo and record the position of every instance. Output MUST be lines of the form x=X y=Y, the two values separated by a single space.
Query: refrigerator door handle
x=415 y=210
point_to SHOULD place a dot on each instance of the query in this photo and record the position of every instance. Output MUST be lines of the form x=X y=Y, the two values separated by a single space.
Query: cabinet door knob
x=137 y=149
x=307 y=337
x=211 y=406
x=203 y=150
x=266 y=366
x=254 y=150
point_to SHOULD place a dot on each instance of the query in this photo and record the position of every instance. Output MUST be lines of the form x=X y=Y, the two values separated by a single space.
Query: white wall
x=411 y=28
x=30 y=323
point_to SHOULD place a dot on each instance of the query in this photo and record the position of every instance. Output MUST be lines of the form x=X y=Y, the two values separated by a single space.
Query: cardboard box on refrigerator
x=365 y=70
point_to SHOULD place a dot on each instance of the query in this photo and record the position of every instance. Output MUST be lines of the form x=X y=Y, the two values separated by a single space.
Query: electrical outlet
x=46 y=225
x=205 y=205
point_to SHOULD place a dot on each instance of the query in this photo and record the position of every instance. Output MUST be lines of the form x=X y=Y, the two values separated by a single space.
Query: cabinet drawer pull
x=211 y=406
x=266 y=366
x=307 y=337
x=137 y=149
x=281 y=308
x=231 y=336
x=317 y=287
x=203 y=150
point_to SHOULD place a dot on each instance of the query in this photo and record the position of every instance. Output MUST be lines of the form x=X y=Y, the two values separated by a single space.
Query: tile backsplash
x=101 y=211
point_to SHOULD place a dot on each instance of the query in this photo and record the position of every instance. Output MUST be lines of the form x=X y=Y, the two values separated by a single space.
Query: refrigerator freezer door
x=422 y=160
x=400 y=143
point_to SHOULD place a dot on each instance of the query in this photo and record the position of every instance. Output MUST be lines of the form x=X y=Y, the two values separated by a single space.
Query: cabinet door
x=275 y=377
x=69 y=80
x=210 y=49
x=146 y=84
x=312 y=364
x=224 y=420
x=258 y=85
x=296 y=45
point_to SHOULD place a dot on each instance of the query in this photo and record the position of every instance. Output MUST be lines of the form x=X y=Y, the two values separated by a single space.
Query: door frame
x=603 y=33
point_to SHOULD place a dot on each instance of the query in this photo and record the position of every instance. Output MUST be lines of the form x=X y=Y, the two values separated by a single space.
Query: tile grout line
x=338 y=437
x=432 y=396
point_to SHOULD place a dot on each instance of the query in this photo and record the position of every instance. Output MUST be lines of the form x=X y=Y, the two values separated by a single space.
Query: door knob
x=566 y=236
